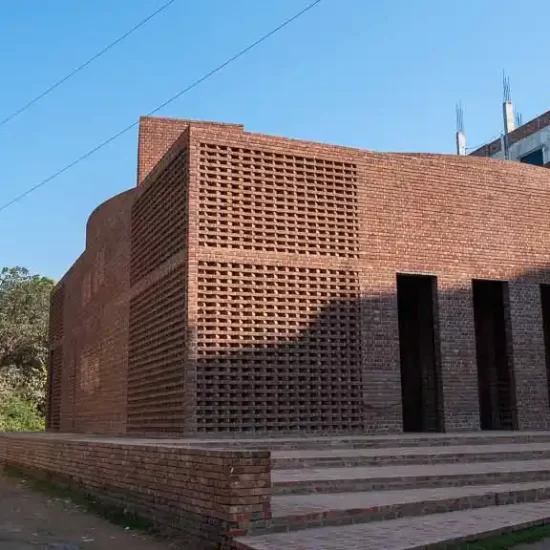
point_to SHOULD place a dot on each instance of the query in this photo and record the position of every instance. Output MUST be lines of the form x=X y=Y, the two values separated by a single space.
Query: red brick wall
x=287 y=253
x=93 y=343
x=277 y=341
x=156 y=136
x=208 y=495
x=158 y=308
x=157 y=347
x=455 y=218
x=56 y=325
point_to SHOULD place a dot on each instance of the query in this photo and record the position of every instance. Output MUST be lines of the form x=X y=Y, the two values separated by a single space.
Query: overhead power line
x=84 y=65
x=483 y=144
x=161 y=106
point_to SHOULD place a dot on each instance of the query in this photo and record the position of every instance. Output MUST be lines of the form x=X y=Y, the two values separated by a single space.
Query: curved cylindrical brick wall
x=89 y=326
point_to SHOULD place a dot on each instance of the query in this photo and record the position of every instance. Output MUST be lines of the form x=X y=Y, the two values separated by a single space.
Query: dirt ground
x=31 y=520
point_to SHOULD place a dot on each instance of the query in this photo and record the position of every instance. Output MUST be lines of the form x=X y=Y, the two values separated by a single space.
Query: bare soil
x=31 y=520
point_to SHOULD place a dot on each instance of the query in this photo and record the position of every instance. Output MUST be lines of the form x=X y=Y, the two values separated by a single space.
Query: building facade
x=528 y=143
x=257 y=284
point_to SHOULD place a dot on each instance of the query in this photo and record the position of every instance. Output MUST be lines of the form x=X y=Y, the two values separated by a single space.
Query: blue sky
x=379 y=75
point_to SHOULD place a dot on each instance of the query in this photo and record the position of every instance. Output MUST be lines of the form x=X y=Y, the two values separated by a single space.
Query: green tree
x=24 y=306
x=17 y=414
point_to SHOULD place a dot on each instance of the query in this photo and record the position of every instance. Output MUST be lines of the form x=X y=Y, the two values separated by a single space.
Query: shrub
x=18 y=415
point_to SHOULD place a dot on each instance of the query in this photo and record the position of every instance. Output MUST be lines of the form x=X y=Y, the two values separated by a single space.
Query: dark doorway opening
x=497 y=406
x=545 y=303
x=419 y=352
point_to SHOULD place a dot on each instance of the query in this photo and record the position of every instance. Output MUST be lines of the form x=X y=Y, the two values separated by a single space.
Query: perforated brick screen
x=278 y=348
x=56 y=330
x=54 y=409
x=57 y=303
x=156 y=381
x=159 y=219
x=262 y=200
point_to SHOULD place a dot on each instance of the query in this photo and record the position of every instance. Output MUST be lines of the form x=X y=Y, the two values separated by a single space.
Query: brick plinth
x=207 y=495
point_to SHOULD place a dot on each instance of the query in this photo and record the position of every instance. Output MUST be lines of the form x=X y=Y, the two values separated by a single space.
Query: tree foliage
x=18 y=414
x=24 y=306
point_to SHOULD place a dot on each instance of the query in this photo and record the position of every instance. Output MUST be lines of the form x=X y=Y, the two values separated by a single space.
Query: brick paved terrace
x=365 y=492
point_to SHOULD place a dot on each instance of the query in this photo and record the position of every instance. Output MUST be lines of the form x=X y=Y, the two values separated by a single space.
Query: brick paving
x=404 y=451
x=312 y=458
x=404 y=471
x=329 y=442
x=407 y=533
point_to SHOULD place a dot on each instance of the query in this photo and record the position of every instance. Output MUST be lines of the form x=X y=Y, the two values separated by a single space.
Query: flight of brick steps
x=402 y=492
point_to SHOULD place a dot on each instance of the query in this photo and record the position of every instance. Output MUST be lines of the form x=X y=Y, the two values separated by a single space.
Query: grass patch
x=64 y=489
x=508 y=540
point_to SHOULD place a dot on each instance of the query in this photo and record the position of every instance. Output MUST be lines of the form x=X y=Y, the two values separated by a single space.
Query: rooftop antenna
x=508 y=114
x=519 y=119
x=460 y=135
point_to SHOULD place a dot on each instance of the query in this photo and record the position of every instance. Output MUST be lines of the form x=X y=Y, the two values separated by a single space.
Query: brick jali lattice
x=274 y=351
x=262 y=200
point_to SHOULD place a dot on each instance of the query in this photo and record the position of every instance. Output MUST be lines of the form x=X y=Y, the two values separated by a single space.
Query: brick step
x=369 y=441
x=383 y=478
x=431 y=532
x=294 y=512
x=344 y=458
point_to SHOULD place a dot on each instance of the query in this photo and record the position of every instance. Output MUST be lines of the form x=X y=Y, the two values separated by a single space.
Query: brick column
x=529 y=356
x=380 y=349
x=192 y=284
x=458 y=354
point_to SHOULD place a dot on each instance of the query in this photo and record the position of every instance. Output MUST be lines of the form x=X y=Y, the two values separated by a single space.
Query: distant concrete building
x=528 y=143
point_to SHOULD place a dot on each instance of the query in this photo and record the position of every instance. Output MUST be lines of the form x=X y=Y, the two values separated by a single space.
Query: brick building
x=252 y=283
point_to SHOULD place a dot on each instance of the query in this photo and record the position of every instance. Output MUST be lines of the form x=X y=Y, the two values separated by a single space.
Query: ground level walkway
x=31 y=520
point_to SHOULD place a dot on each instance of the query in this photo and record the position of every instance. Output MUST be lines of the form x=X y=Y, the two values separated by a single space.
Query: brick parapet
x=157 y=134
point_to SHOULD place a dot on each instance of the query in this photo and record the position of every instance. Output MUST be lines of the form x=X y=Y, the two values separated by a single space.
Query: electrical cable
x=161 y=106
x=84 y=65
x=483 y=144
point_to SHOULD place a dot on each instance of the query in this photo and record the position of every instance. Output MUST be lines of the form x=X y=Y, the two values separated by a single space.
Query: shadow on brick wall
x=418 y=360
